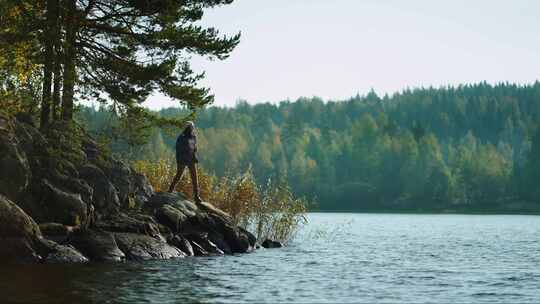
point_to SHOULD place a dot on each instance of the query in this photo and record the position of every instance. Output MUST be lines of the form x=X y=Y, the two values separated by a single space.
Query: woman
x=186 y=149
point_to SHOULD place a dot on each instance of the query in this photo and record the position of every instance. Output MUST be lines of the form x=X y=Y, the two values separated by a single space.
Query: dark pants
x=194 y=180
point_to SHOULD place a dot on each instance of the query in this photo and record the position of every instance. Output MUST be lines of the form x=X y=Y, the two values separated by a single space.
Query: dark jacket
x=186 y=149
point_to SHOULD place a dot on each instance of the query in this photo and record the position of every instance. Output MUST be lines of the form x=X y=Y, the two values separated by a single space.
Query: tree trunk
x=47 y=67
x=69 y=59
x=57 y=63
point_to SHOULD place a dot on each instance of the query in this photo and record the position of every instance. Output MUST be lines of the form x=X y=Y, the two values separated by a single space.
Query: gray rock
x=171 y=217
x=63 y=207
x=14 y=222
x=238 y=240
x=142 y=185
x=120 y=176
x=271 y=244
x=57 y=232
x=97 y=245
x=18 y=232
x=198 y=250
x=105 y=196
x=62 y=167
x=139 y=247
x=65 y=254
x=74 y=185
x=54 y=229
x=90 y=148
x=201 y=239
x=251 y=238
x=183 y=244
x=139 y=201
x=122 y=222
x=185 y=217
x=175 y=200
x=218 y=239
x=31 y=141
x=15 y=171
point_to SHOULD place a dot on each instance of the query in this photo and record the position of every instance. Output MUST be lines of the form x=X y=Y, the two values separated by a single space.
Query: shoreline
x=419 y=212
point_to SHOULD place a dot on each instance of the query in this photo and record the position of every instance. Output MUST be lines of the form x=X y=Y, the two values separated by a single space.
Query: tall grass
x=271 y=211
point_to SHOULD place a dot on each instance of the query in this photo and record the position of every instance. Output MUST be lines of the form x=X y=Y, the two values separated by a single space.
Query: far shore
x=431 y=212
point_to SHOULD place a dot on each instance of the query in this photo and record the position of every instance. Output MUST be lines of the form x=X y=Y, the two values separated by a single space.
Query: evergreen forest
x=470 y=148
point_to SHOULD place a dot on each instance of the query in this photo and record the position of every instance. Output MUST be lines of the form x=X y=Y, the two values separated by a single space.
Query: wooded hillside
x=472 y=147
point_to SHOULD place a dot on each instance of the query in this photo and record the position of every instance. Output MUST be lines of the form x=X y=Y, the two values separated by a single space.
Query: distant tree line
x=466 y=148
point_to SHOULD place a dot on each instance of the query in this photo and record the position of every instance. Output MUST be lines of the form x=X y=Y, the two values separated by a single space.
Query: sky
x=336 y=49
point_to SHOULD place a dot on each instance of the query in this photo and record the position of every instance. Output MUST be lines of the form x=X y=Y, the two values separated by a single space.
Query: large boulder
x=90 y=148
x=137 y=223
x=176 y=200
x=56 y=232
x=105 y=196
x=15 y=171
x=140 y=247
x=132 y=188
x=31 y=141
x=18 y=233
x=142 y=187
x=97 y=245
x=187 y=218
x=74 y=185
x=171 y=217
x=120 y=176
x=55 y=229
x=63 y=207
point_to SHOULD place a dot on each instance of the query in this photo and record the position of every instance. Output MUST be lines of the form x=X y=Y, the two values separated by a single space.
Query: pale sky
x=335 y=49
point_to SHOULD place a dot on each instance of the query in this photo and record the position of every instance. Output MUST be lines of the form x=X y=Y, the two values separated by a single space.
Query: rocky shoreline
x=64 y=200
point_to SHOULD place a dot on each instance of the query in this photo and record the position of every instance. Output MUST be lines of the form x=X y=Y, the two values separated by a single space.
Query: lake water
x=335 y=258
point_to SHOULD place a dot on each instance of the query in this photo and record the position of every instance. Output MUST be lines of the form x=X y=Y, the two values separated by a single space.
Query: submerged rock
x=271 y=244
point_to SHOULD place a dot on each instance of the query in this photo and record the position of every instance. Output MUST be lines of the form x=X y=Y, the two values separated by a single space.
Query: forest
x=470 y=148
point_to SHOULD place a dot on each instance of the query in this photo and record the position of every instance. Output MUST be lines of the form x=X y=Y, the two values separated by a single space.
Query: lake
x=337 y=257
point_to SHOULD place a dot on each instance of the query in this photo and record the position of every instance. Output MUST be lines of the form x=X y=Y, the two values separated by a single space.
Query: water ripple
x=337 y=258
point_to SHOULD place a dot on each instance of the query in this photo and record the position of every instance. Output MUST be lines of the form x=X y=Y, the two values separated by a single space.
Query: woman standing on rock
x=186 y=149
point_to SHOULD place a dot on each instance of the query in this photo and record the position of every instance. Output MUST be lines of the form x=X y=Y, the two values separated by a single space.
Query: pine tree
x=117 y=51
